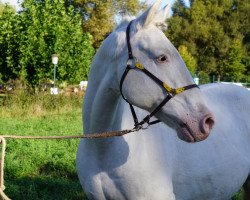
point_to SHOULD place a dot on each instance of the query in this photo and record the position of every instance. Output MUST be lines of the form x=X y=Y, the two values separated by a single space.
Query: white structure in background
x=196 y=80
x=83 y=85
x=239 y=84
x=54 y=90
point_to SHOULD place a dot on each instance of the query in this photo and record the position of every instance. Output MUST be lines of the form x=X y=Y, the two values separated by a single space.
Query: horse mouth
x=186 y=134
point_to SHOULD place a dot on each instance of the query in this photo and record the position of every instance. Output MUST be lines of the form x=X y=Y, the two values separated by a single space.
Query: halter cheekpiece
x=133 y=63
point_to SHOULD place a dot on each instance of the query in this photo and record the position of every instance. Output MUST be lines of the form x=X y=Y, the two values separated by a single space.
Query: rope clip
x=141 y=126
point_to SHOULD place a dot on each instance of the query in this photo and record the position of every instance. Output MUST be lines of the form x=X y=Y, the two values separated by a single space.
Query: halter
x=133 y=63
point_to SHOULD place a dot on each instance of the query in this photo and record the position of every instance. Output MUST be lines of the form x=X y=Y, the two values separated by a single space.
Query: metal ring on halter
x=141 y=127
x=131 y=62
x=144 y=127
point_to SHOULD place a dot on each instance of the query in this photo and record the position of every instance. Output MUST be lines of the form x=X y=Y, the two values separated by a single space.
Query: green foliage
x=1 y=8
x=188 y=59
x=232 y=64
x=97 y=18
x=99 y=15
x=50 y=28
x=203 y=78
x=128 y=7
x=42 y=28
x=239 y=195
x=215 y=34
x=41 y=169
x=8 y=43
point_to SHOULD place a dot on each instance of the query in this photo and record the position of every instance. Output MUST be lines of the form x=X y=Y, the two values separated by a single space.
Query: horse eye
x=162 y=59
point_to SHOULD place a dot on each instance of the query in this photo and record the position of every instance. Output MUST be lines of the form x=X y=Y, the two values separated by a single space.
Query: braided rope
x=88 y=136
x=2 y=187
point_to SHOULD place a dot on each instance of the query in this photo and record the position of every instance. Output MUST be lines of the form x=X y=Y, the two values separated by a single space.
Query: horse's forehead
x=153 y=38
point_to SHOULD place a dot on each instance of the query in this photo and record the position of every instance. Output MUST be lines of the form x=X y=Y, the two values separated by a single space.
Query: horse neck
x=101 y=98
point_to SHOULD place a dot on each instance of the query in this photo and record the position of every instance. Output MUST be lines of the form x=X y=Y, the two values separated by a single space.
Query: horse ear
x=148 y=17
x=163 y=14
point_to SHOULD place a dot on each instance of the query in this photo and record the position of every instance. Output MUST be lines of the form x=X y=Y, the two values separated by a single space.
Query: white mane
x=125 y=21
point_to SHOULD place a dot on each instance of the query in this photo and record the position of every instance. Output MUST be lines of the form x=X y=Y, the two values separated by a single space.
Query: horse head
x=185 y=111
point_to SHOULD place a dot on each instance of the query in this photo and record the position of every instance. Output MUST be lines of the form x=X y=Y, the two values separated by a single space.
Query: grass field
x=42 y=169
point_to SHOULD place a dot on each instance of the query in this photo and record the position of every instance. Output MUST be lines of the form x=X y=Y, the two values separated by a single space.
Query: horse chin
x=187 y=135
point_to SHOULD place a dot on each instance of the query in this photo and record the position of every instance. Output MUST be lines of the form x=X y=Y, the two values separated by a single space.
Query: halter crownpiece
x=133 y=63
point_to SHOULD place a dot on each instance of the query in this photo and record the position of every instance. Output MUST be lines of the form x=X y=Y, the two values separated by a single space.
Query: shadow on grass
x=43 y=188
x=47 y=188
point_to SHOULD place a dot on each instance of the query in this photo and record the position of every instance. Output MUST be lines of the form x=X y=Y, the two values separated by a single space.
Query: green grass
x=43 y=169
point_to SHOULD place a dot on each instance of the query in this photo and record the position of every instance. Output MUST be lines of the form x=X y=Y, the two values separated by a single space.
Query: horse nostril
x=207 y=124
x=210 y=122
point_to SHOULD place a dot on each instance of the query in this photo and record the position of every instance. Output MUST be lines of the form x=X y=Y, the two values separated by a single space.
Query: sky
x=11 y=2
x=16 y=4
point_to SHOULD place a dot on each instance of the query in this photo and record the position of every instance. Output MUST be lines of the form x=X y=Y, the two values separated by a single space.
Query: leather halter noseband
x=171 y=92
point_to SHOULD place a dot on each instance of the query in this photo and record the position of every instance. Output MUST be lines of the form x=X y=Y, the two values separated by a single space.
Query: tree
x=128 y=7
x=29 y=38
x=99 y=15
x=232 y=65
x=8 y=43
x=1 y=8
x=209 y=29
x=188 y=59
x=49 y=28
x=97 y=18
x=242 y=14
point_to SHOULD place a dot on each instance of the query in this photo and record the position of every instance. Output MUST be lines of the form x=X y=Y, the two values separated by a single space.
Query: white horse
x=154 y=163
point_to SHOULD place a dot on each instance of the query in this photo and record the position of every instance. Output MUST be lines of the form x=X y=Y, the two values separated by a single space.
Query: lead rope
x=2 y=187
x=89 y=136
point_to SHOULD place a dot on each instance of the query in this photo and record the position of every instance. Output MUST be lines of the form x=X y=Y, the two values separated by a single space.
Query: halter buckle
x=131 y=62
